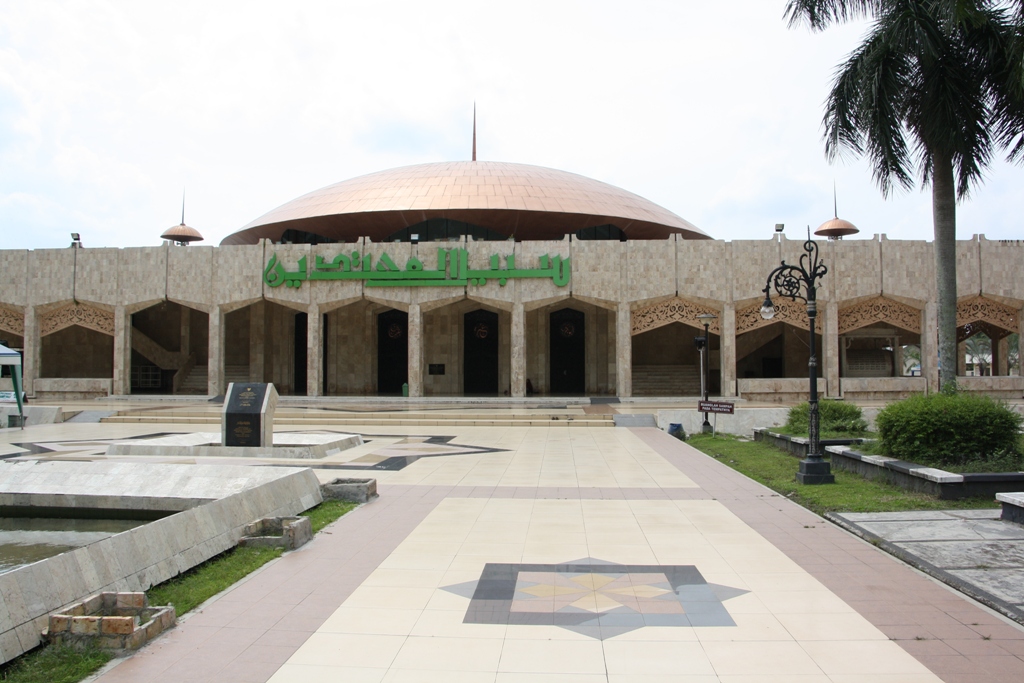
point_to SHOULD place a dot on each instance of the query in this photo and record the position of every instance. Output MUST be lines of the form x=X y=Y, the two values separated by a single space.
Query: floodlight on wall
x=76 y=240
x=779 y=227
x=414 y=238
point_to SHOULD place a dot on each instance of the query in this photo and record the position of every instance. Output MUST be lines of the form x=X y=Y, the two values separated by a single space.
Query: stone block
x=350 y=489
x=130 y=601
x=110 y=642
x=117 y=626
x=135 y=640
x=85 y=626
x=59 y=623
x=152 y=628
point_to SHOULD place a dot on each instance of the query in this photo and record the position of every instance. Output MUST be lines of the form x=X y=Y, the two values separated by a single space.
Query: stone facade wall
x=351 y=330
x=235 y=319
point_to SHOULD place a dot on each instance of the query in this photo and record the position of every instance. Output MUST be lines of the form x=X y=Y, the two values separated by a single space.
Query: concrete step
x=666 y=380
x=589 y=421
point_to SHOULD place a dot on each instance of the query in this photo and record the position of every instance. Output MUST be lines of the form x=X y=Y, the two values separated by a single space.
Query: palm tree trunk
x=944 y=221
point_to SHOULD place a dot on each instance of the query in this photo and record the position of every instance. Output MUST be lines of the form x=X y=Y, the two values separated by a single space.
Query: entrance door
x=392 y=351
x=480 y=352
x=568 y=352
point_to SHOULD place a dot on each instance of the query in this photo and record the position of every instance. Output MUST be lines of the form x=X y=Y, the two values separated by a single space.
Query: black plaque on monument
x=248 y=418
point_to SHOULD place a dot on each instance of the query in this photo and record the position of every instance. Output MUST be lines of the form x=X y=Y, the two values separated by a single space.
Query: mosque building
x=481 y=278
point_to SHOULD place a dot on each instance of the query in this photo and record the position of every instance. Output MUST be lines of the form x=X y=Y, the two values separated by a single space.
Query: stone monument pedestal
x=248 y=417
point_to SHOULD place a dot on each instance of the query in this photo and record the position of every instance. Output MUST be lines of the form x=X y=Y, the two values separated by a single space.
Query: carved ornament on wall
x=672 y=311
x=77 y=314
x=12 y=321
x=978 y=309
x=792 y=312
x=879 y=310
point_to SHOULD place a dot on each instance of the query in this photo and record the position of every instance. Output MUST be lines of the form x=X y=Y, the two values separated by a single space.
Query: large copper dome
x=514 y=200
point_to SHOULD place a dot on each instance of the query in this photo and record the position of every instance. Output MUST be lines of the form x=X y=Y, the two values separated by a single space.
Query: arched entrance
x=480 y=352
x=568 y=352
x=392 y=351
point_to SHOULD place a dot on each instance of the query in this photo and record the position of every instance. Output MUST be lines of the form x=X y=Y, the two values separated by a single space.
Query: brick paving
x=250 y=631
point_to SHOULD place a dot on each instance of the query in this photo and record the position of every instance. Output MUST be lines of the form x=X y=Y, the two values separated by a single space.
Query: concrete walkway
x=582 y=555
x=972 y=550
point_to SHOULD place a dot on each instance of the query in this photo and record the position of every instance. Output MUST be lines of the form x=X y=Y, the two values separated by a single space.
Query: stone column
x=518 y=350
x=31 y=354
x=961 y=360
x=256 y=341
x=830 y=354
x=122 y=384
x=1000 y=366
x=728 y=344
x=215 y=364
x=623 y=350
x=1020 y=342
x=930 y=345
x=314 y=351
x=415 y=351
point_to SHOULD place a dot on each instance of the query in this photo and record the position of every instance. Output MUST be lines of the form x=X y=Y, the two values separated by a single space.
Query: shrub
x=948 y=429
x=833 y=416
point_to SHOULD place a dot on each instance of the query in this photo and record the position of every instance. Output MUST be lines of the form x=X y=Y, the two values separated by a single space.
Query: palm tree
x=979 y=348
x=911 y=359
x=935 y=88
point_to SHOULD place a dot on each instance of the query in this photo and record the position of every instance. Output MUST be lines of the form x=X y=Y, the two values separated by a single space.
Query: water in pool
x=24 y=540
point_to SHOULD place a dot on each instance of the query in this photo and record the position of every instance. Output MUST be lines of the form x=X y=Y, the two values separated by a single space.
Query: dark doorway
x=301 y=320
x=568 y=352
x=392 y=351
x=480 y=352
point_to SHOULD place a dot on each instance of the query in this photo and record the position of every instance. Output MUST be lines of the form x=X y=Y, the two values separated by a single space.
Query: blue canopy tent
x=13 y=358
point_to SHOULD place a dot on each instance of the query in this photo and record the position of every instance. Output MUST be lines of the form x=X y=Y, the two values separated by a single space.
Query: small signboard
x=716 y=407
x=248 y=418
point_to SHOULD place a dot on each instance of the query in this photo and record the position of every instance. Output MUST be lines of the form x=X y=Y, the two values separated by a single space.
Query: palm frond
x=820 y=14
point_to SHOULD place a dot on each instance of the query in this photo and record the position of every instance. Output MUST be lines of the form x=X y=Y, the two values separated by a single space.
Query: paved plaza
x=560 y=554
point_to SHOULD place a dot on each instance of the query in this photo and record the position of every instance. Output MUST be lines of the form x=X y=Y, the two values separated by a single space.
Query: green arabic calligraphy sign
x=452 y=270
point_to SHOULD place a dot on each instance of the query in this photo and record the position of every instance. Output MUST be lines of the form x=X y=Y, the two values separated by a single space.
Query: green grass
x=53 y=665
x=194 y=587
x=851 y=492
x=326 y=512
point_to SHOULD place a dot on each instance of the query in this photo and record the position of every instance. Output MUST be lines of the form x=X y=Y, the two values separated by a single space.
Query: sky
x=109 y=110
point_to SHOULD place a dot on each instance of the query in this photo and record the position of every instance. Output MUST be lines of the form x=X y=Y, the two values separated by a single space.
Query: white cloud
x=108 y=108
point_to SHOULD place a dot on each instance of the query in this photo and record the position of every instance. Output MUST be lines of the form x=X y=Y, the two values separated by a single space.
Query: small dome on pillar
x=182 y=234
x=836 y=228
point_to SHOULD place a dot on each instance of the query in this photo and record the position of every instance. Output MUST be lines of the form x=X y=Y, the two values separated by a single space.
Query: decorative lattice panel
x=879 y=310
x=673 y=311
x=77 y=314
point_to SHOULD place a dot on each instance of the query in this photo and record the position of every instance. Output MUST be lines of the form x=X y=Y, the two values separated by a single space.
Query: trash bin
x=405 y=389
x=675 y=429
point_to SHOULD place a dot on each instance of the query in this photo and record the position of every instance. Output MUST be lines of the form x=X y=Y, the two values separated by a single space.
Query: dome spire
x=182 y=234
x=836 y=228
x=474 y=131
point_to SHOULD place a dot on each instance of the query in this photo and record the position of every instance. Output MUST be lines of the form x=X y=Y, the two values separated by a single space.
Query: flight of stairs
x=196 y=381
x=666 y=380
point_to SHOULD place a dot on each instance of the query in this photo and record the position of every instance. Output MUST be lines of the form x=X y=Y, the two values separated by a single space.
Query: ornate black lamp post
x=799 y=282
x=704 y=346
